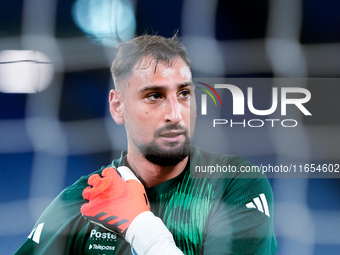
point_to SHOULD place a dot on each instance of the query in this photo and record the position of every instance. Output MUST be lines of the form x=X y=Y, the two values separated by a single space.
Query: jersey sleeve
x=241 y=221
x=52 y=234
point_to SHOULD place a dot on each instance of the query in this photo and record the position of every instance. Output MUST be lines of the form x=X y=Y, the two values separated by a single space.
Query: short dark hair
x=153 y=46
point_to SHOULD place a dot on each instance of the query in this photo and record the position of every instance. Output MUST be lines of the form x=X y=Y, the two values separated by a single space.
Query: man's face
x=157 y=111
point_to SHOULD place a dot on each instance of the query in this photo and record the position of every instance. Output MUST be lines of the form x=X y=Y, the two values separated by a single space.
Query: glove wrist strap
x=147 y=234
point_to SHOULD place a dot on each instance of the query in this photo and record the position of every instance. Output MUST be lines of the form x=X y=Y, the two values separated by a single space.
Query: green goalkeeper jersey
x=229 y=215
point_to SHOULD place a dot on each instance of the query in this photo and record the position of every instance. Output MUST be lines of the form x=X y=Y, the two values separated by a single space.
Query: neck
x=151 y=174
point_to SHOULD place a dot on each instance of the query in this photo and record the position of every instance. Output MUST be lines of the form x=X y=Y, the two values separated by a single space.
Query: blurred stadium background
x=54 y=83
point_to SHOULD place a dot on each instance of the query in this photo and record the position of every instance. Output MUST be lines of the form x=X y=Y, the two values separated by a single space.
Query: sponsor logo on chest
x=101 y=247
x=107 y=236
x=101 y=241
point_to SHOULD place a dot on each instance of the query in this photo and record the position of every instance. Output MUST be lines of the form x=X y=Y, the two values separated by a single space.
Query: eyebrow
x=162 y=87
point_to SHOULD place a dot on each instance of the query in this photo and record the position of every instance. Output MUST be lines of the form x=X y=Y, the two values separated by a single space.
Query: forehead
x=149 y=71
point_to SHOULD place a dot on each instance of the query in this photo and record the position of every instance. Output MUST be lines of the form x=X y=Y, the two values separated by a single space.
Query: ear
x=116 y=107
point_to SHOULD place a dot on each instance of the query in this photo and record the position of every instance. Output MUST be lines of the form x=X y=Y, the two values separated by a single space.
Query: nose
x=172 y=111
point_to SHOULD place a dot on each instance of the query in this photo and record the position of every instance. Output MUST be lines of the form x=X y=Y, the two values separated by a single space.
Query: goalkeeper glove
x=113 y=202
x=119 y=204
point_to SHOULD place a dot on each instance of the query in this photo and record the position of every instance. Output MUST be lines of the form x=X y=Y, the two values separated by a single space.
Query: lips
x=171 y=136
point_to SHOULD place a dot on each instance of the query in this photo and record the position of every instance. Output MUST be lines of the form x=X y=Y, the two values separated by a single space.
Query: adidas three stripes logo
x=260 y=203
x=36 y=232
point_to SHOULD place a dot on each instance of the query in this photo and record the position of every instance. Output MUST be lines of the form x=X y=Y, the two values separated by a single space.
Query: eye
x=154 y=96
x=184 y=94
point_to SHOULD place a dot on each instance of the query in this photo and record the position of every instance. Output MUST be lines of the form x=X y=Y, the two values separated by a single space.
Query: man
x=175 y=213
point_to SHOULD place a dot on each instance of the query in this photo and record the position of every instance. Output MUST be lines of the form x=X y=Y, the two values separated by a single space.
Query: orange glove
x=116 y=198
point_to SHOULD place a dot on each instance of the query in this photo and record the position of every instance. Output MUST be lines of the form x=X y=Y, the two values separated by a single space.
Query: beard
x=170 y=156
